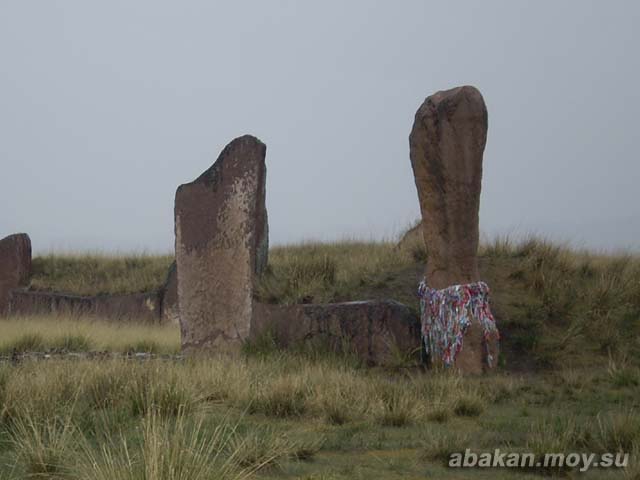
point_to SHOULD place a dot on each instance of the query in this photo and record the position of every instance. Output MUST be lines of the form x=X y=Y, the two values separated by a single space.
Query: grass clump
x=500 y=388
x=108 y=386
x=395 y=406
x=280 y=397
x=622 y=374
x=439 y=413
x=337 y=396
x=142 y=346
x=45 y=447
x=335 y=409
x=73 y=343
x=440 y=444
x=170 y=449
x=618 y=432
x=160 y=390
x=469 y=404
x=26 y=342
x=558 y=435
x=260 y=449
x=324 y=273
x=39 y=394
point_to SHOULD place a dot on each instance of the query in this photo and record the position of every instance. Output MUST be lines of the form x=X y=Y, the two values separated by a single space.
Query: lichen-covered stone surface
x=221 y=247
x=15 y=266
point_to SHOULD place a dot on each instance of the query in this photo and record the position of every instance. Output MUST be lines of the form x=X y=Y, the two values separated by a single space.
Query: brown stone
x=221 y=247
x=15 y=266
x=377 y=332
x=170 y=312
x=447 y=142
x=134 y=307
x=473 y=356
x=446 y=148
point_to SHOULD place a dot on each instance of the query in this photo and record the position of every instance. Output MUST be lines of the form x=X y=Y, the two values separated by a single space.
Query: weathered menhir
x=446 y=148
x=221 y=247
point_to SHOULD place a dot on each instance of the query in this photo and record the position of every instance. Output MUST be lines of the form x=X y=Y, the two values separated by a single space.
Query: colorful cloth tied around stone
x=447 y=314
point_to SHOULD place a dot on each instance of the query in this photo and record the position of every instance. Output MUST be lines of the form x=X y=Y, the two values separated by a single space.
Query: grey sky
x=105 y=107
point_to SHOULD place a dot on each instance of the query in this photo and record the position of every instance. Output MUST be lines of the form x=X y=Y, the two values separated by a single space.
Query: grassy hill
x=553 y=305
x=92 y=274
x=569 y=382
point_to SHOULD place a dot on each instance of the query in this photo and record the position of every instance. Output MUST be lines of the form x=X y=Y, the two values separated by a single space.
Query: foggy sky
x=106 y=107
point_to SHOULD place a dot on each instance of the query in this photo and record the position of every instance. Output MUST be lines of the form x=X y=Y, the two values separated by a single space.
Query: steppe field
x=568 y=377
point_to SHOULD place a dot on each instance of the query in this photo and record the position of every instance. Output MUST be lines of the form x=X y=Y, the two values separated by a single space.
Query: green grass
x=554 y=306
x=92 y=274
x=322 y=273
x=59 y=333
x=569 y=377
x=273 y=416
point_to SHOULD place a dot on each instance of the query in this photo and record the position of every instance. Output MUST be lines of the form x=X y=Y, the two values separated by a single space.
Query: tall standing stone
x=446 y=147
x=447 y=142
x=221 y=247
x=15 y=266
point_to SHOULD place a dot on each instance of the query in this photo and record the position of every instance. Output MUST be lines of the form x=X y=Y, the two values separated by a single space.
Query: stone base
x=377 y=332
x=472 y=359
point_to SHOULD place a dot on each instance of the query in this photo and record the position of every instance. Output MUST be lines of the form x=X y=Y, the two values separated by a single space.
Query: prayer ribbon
x=446 y=315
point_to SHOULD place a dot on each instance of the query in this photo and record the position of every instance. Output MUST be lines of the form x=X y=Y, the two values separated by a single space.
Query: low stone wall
x=141 y=307
x=378 y=332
